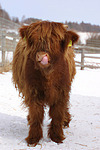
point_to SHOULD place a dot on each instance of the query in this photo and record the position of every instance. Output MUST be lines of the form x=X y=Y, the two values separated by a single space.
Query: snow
x=12 y=31
x=9 y=38
x=84 y=36
x=84 y=130
x=88 y=83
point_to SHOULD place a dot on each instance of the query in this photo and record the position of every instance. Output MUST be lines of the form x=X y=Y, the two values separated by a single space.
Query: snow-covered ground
x=84 y=130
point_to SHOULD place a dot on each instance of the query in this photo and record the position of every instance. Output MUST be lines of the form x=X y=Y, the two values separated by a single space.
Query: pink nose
x=42 y=57
x=44 y=61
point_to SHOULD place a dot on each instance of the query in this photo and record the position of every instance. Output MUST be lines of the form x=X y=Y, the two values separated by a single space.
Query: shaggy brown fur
x=43 y=69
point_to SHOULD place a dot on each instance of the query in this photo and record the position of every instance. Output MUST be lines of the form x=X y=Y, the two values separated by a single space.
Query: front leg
x=57 y=114
x=35 y=119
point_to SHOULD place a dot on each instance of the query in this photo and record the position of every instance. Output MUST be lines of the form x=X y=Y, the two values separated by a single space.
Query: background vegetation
x=83 y=27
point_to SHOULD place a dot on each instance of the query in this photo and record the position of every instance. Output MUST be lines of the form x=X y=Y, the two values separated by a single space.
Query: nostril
x=37 y=56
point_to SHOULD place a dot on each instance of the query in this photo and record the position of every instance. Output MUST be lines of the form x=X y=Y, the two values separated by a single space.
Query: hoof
x=31 y=142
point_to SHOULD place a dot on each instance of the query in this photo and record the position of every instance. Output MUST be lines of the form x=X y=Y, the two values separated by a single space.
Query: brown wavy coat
x=43 y=69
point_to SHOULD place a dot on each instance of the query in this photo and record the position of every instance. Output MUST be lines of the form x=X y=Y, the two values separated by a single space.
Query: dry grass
x=7 y=67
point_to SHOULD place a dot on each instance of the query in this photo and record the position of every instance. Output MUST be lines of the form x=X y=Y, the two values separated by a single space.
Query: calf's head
x=47 y=42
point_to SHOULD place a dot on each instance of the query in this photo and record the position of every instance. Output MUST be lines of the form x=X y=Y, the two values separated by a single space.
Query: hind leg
x=67 y=118
x=35 y=119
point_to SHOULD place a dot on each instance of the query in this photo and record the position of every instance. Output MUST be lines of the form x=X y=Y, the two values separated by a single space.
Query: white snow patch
x=87 y=83
x=12 y=31
x=9 y=38
x=84 y=36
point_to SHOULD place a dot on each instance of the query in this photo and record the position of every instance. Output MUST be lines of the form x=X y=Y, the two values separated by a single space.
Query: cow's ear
x=72 y=36
x=24 y=31
x=70 y=39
